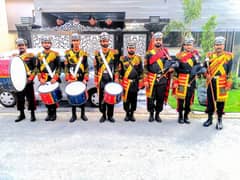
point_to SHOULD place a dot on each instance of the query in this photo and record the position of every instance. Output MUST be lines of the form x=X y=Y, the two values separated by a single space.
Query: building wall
x=227 y=11
x=16 y=9
x=7 y=39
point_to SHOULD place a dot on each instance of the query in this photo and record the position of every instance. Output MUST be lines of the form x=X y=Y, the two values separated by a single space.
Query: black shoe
x=180 y=120
x=126 y=118
x=53 y=117
x=219 y=125
x=180 y=117
x=186 y=120
x=47 y=118
x=157 y=117
x=111 y=119
x=132 y=118
x=73 y=118
x=102 y=119
x=84 y=117
x=207 y=123
x=33 y=118
x=20 y=118
x=151 y=119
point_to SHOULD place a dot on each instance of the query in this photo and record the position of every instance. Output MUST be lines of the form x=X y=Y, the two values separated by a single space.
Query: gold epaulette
x=96 y=53
x=55 y=52
x=122 y=58
x=209 y=54
x=179 y=55
x=114 y=51
x=229 y=55
x=84 y=53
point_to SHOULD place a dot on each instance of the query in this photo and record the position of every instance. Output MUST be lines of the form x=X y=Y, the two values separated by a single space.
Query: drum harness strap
x=106 y=64
x=48 y=68
x=77 y=67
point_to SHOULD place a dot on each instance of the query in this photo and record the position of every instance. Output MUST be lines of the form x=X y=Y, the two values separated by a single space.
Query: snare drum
x=76 y=93
x=113 y=93
x=50 y=93
x=13 y=75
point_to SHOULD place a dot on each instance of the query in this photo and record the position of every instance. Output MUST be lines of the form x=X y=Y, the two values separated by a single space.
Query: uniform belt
x=159 y=75
x=215 y=77
x=132 y=80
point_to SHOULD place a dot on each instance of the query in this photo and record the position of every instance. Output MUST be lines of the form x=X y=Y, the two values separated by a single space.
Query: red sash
x=160 y=54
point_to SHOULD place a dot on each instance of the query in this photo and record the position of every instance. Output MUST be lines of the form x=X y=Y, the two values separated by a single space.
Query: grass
x=232 y=103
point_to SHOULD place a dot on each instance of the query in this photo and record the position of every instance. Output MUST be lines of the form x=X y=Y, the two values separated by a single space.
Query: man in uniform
x=28 y=92
x=184 y=81
x=219 y=65
x=76 y=58
x=48 y=58
x=131 y=78
x=155 y=77
x=106 y=70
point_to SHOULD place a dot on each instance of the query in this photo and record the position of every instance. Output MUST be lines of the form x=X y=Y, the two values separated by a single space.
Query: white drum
x=13 y=75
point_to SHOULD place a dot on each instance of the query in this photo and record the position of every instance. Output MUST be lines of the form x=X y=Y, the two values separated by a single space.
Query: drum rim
x=79 y=82
x=58 y=86
x=113 y=83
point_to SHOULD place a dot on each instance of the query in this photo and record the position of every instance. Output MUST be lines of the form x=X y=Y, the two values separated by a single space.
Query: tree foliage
x=192 y=11
x=208 y=36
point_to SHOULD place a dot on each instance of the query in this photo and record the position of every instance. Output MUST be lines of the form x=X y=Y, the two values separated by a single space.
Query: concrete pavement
x=121 y=151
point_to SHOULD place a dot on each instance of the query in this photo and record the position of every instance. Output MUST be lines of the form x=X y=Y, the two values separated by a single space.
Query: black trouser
x=131 y=103
x=184 y=104
x=103 y=107
x=210 y=102
x=81 y=106
x=28 y=92
x=157 y=99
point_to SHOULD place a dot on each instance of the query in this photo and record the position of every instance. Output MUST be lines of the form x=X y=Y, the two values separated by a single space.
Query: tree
x=192 y=11
x=208 y=36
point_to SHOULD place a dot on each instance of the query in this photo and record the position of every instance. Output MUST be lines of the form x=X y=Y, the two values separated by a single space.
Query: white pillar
x=3 y=25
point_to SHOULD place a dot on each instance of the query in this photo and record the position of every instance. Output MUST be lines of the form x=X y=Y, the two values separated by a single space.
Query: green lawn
x=232 y=104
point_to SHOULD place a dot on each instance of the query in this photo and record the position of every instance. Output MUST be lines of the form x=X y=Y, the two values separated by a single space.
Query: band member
x=76 y=58
x=131 y=78
x=106 y=70
x=28 y=92
x=184 y=82
x=48 y=64
x=219 y=81
x=155 y=77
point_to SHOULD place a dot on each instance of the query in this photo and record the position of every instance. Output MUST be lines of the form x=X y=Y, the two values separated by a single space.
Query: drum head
x=18 y=74
x=113 y=88
x=75 y=88
x=48 y=87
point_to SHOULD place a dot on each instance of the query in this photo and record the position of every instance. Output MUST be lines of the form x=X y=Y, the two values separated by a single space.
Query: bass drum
x=13 y=75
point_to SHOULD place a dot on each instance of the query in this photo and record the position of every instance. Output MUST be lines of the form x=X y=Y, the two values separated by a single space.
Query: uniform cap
x=189 y=40
x=158 y=35
x=75 y=36
x=220 y=40
x=104 y=35
x=20 y=41
x=46 y=39
x=131 y=44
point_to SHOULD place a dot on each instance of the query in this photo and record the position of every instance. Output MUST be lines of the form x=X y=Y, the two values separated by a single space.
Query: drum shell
x=52 y=97
x=77 y=99
x=111 y=98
